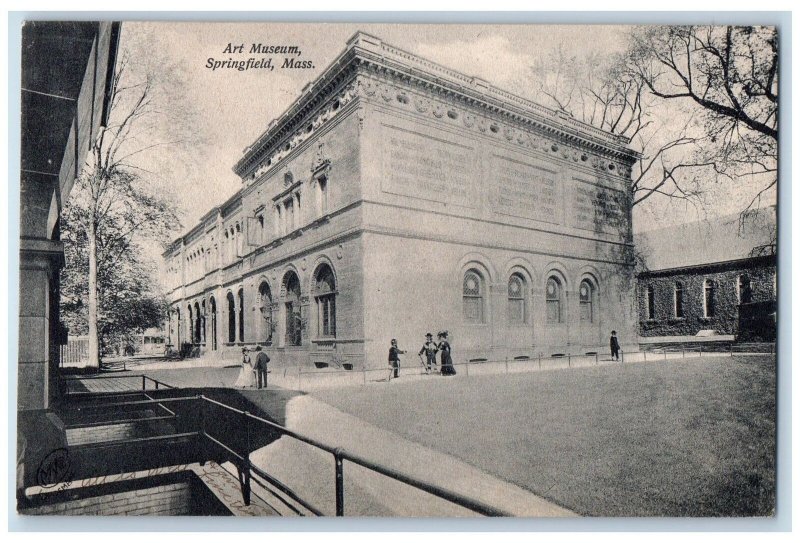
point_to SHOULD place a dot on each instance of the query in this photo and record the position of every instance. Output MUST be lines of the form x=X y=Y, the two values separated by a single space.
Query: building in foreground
x=395 y=197
x=715 y=275
x=67 y=72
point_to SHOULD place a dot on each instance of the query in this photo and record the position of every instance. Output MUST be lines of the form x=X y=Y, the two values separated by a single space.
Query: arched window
x=743 y=290
x=231 y=318
x=516 y=299
x=178 y=327
x=190 y=324
x=586 y=294
x=679 y=300
x=553 y=298
x=213 y=308
x=326 y=301
x=241 y=314
x=650 y=302
x=473 y=297
x=203 y=324
x=265 y=308
x=708 y=298
x=294 y=320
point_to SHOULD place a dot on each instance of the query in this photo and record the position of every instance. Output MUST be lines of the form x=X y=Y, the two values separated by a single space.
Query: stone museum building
x=396 y=197
x=723 y=278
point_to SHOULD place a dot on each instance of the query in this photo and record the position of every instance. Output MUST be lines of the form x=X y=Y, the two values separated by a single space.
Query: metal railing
x=203 y=426
x=410 y=366
x=155 y=384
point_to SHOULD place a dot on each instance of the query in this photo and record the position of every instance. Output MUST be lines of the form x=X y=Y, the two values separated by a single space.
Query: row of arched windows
x=291 y=307
x=474 y=299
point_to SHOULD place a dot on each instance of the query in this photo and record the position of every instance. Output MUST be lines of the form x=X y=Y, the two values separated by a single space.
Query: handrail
x=341 y=454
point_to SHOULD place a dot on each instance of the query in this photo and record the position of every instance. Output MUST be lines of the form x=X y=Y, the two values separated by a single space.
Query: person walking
x=394 y=360
x=614 y=342
x=446 y=361
x=429 y=349
x=262 y=360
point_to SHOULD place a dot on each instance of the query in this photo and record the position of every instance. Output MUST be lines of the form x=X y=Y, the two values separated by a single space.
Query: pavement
x=310 y=471
x=372 y=494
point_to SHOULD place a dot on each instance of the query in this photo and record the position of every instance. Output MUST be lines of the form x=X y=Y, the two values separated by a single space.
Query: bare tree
x=721 y=84
x=603 y=91
x=730 y=76
x=111 y=201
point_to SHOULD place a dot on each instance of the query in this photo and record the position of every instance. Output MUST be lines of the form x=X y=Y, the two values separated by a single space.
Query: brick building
x=395 y=197
x=719 y=276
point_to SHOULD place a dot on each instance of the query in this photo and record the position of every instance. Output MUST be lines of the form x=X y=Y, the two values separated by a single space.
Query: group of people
x=253 y=372
x=429 y=350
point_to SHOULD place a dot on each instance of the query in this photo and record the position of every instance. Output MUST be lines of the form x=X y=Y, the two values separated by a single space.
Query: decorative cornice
x=368 y=53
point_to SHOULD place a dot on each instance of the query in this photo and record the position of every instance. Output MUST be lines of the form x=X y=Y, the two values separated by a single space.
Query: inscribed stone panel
x=529 y=191
x=427 y=167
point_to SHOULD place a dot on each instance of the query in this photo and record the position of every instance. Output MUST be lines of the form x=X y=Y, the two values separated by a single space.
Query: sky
x=226 y=110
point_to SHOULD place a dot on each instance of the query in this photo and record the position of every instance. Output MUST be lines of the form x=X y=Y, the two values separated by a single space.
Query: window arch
x=472 y=294
x=231 y=318
x=213 y=308
x=517 y=293
x=744 y=291
x=325 y=295
x=678 y=300
x=650 y=302
x=265 y=308
x=294 y=320
x=708 y=298
x=190 y=324
x=554 y=292
x=240 y=295
x=586 y=298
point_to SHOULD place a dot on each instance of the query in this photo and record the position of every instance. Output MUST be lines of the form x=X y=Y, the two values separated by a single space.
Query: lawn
x=692 y=437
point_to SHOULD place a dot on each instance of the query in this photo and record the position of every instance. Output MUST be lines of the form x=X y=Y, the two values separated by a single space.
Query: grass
x=693 y=437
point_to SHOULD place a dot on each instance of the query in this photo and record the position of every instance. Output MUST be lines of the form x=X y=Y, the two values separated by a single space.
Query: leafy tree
x=113 y=209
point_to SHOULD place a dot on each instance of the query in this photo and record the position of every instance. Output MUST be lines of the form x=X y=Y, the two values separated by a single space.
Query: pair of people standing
x=253 y=373
x=430 y=348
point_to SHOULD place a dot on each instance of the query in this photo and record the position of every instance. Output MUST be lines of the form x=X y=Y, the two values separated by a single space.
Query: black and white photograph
x=417 y=271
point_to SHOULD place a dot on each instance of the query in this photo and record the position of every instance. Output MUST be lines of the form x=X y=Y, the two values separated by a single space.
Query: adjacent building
x=67 y=71
x=395 y=197
x=715 y=275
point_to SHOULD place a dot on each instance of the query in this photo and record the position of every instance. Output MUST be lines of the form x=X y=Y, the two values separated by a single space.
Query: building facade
x=396 y=197
x=724 y=278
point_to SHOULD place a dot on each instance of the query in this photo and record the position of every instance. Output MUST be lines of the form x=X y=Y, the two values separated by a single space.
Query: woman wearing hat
x=247 y=376
x=447 y=361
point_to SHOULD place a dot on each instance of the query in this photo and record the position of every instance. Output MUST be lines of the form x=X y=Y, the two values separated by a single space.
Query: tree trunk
x=94 y=340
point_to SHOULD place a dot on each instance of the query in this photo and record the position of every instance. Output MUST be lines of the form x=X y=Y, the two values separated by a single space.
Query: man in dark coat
x=261 y=366
x=394 y=360
x=614 y=345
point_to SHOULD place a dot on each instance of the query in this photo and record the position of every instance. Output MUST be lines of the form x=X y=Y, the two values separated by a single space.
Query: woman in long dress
x=247 y=377
x=446 y=361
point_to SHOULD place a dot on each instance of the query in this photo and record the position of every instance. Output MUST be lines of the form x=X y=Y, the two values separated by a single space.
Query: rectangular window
x=322 y=195
x=651 y=303
x=679 y=302
x=327 y=309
